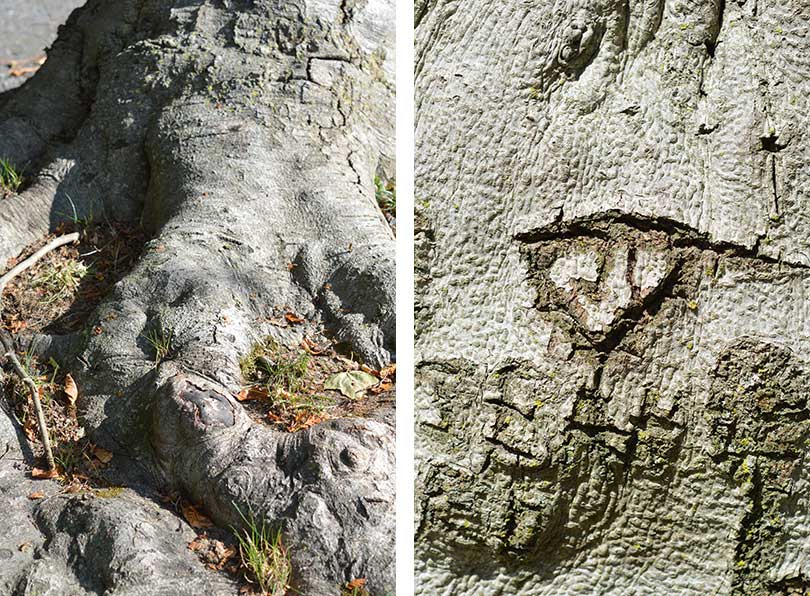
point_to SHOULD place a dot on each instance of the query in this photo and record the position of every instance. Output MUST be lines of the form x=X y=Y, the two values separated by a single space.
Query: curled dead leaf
x=304 y=420
x=197 y=543
x=312 y=348
x=36 y=495
x=381 y=387
x=24 y=70
x=40 y=474
x=356 y=583
x=102 y=455
x=388 y=371
x=251 y=393
x=194 y=517
x=71 y=390
x=293 y=318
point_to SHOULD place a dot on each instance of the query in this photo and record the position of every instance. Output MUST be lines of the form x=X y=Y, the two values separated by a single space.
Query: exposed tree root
x=245 y=136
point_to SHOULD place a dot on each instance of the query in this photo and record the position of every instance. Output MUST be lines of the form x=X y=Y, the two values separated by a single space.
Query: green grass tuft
x=267 y=364
x=61 y=280
x=386 y=194
x=10 y=177
x=161 y=340
x=264 y=557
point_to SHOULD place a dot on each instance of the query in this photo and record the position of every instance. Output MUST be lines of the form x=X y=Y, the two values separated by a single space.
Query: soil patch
x=287 y=387
x=58 y=294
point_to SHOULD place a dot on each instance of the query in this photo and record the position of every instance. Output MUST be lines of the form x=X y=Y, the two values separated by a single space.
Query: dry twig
x=8 y=342
x=20 y=267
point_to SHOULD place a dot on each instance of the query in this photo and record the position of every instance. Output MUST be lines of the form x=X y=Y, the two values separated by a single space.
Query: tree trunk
x=612 y=274
x=245 y=136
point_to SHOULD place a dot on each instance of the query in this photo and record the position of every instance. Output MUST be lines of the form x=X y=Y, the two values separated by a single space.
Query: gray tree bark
x=245 y=136
x=612 y=281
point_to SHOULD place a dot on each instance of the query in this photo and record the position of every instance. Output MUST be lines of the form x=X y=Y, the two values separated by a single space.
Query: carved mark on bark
x=607 y=273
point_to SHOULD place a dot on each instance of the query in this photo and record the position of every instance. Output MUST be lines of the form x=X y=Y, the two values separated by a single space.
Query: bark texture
x=245 y=135
x=612 y=281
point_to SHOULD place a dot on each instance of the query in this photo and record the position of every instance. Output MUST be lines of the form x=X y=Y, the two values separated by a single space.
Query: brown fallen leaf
x=102 y=455
x=356 y=583
x=36 y=495
x=23 y=70
x=194 y=517
x=71 y=390
x=17 y=326
x=293 y=318
x=311 y=347
x=388 y=371
x=304 y=420
x=30 y=433
x=382 y=386
x=24 y=547
x=40 y=474
x=251 y=393
x=277 y=322
x=197 y=543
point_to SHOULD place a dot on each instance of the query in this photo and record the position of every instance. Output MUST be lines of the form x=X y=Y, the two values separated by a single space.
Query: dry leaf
x=356 y=583
x=30 y=433
x=388 y=371
x=18 y=72
x=194 y=518
x=251 y=393
x=40 y=474
x=277 y=322
x=293 y=318
x=352 y=384
x=24 y=547
x=197 y=543
x=36 y=495
x=17 y=326
x=304 y=420
x=71 y=390
x=102 y=455
x=381 y=387
x=98 y=330
x=311 y=347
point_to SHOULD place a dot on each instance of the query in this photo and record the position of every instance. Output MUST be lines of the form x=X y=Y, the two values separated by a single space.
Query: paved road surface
x=27 y=27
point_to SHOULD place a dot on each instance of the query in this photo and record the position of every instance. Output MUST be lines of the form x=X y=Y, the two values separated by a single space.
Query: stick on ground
x=8 y=342
x=8 y=345
x=20 y=267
